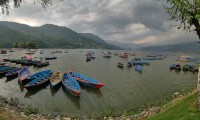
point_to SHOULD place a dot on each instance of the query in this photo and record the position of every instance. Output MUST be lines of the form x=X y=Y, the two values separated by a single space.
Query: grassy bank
x=6 y=114
x=182 y=106
x=186 y=108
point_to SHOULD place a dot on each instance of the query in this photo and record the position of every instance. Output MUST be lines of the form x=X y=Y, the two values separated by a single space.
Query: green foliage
x=5 y=4
x=185 y=110
x=30 y=110
x=187 y=12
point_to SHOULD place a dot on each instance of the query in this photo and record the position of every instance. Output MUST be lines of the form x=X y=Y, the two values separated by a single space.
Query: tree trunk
x=197 y=26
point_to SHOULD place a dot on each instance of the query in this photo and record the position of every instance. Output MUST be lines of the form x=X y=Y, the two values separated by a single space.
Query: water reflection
x=92 y=90
x=20 y=85
x=75 y=100
x=31 y=92
x=10 y=78
x=55 y=89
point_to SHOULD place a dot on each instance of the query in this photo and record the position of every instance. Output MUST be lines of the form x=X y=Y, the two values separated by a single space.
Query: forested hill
x=181 y=47
x=46 y=36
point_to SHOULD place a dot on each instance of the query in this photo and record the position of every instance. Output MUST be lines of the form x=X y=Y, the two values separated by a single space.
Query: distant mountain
x=47 y=36
x=92 y=36
x=99 y=40
x=128 y=46
x=181 y=47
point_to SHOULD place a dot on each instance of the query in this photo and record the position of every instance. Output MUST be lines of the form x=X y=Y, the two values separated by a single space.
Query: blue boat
x=139 y=68
x=129 y=63
x=23 y=74
x=86 y=81
x=5 y=69
x=38 y=74
x=38 y=82
x=144 y=62
x=13 y=72
x=70 y=84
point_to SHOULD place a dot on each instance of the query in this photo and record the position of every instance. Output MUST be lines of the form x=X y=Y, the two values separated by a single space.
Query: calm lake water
x=124 y=88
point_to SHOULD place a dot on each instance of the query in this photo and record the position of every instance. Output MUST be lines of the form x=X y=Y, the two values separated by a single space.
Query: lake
x=123 y=88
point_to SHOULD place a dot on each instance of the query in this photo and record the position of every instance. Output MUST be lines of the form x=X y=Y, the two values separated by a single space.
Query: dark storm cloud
x=151 y=14
x=136 y=21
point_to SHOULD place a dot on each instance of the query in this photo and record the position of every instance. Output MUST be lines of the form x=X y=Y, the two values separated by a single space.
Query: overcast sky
x=135 y=21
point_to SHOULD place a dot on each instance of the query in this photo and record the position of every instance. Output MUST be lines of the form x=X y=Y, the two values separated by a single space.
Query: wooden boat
x=123 y=56
x=38 y=74
x=144 y=62
x=116 y=54
x=106 y=55
x=23 y=74
x=92 y=56
x=5 y=69
x=173 y=66
x=86 y=81
x=178 y=67
x=6 y=59
x=129 y=63
x=88 y=58
x=184 y=58
x=121 y=65
x=30 y=53
x=148 y=58
x=41 y=64
x=132 y=53
x=2 y=63
x=139 y=68
x=50 y=58
x=27 y=62
x=13 y=72
x=38 y=82
x=3 y=51
x=71 y=85
x=56 y=79
x=193 y=69
x=185 y=67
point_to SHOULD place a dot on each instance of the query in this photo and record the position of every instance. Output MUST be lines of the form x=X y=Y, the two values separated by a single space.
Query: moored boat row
x=70 y=80
x=186 y=67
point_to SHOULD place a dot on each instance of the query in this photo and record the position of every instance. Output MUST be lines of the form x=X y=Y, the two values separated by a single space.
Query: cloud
x=135 y=21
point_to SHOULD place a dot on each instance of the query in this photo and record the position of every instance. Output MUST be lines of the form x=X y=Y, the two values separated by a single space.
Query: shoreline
x=28 y=112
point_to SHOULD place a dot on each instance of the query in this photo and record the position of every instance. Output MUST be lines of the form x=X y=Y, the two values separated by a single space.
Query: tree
x=32 y=45
x=5 y=4
x=187 y=12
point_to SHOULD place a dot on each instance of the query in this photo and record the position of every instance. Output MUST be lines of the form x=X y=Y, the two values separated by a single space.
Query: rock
x=32 y=116
x=110 y=118
x=105 y=118
x=176 y=93
x=24 y=116
x=66 y=118
x=57 y=118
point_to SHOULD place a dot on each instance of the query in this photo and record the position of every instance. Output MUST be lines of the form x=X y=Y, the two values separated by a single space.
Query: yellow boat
x=56 y=79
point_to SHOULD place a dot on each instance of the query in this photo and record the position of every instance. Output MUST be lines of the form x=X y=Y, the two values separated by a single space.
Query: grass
x=7 y=115
x=185 y=109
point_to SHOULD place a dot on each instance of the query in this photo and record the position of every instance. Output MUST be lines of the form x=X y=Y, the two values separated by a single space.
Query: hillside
x=128 y=46
x=47 y=36
x=181 y=47
x=99 y=40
